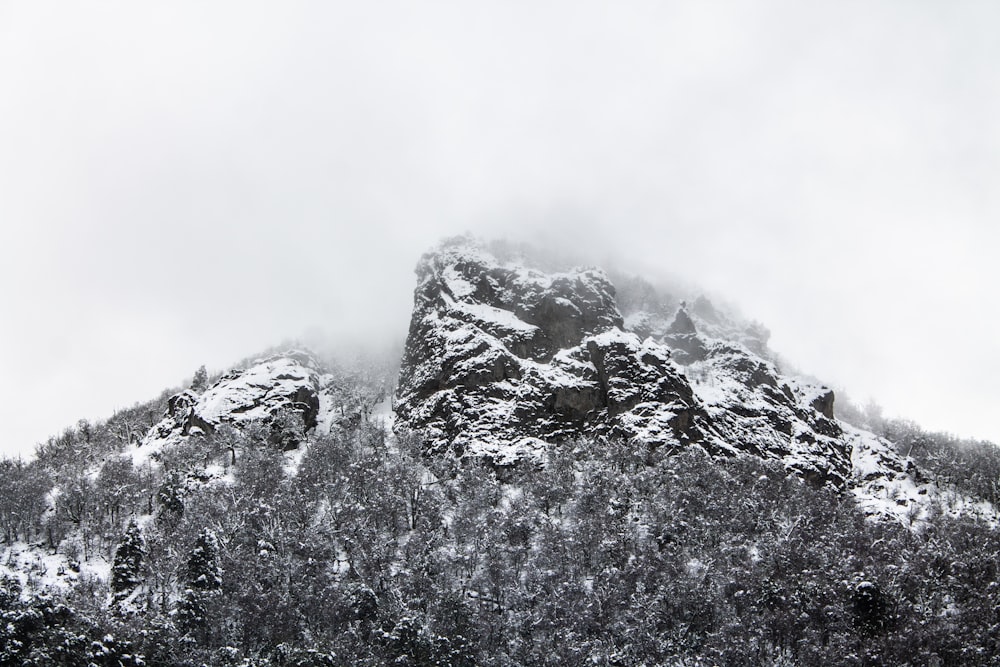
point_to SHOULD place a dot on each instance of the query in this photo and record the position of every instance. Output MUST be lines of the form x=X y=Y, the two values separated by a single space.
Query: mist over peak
x=547 y=444
x=823 y=168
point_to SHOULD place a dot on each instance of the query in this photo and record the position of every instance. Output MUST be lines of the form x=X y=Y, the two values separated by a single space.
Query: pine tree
x=200 y=380
x=204 y=572
x=170 y=497
x=204 y=579
x=192 y=613
x=126 y=571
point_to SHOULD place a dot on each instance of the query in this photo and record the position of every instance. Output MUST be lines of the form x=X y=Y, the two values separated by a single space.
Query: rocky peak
x=682 y=337
x=682 y=325
x=547 y=312
x=503 y=361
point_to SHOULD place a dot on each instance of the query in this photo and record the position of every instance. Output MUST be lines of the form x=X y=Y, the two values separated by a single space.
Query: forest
x=356 y=549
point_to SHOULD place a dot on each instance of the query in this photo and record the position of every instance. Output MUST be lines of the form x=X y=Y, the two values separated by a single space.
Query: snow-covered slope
x=503 y=361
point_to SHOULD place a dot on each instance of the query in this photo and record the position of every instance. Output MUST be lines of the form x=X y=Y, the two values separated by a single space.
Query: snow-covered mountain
x=504 y=361
x=654 y=459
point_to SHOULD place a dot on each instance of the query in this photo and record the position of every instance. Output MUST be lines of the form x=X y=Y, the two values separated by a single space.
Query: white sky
x=189 y=182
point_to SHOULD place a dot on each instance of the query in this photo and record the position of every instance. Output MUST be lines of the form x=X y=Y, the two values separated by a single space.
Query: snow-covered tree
x=204 y=579
x=203 y=568
x=200 y=380
x=170 y=497
x=126 y=570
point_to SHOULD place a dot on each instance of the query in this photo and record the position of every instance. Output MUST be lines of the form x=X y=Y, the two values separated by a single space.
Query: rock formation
x=286 y=386
x=682 y=337
x=503 y=359
x=503 y=362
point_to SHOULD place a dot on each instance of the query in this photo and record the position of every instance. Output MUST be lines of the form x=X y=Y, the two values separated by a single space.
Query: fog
x=188 y=183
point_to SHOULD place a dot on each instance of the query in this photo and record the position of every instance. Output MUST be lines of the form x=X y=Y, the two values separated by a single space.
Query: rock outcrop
x=682 y=337
x=501 y=360
x=285 y=387
x=769 y=415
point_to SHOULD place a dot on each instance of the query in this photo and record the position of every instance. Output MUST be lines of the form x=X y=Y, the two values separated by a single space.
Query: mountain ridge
x=562 y=461
x=474 y=384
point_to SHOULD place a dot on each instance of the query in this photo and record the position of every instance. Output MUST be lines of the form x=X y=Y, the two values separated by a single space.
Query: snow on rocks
x=504 y=361
x=286 y=382
x=284 y=386
x=888 y=485
x=753 y=407
x=771 y=415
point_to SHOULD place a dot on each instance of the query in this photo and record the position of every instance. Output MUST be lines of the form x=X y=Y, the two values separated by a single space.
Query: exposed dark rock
x=502 y=359
x=682 y=337
x=682 y=324
x=180 y=404
x=823 y=404
x=503 y=362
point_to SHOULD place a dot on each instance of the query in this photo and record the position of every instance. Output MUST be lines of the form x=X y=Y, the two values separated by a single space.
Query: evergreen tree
x=192 y=613
x=204 y=572
x=126 y=571
x=170 y=497
x=204 y=579
x=200 y=380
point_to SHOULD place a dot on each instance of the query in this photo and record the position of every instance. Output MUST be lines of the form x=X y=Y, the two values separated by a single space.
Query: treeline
x=80 y=483
x=366 y=553
x=970 y=466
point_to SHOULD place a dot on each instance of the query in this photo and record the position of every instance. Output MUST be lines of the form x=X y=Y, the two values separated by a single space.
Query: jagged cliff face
x=503 y=361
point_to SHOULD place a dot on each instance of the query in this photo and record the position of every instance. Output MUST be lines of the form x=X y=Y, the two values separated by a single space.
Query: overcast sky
x=189 y=182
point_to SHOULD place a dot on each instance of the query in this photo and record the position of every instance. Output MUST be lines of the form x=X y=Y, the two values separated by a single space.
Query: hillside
x=570 y=469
